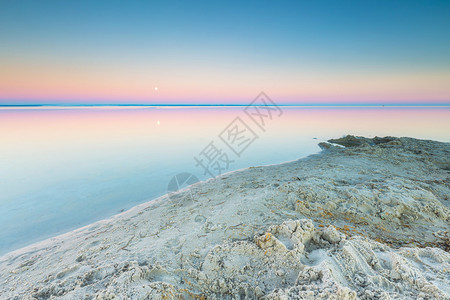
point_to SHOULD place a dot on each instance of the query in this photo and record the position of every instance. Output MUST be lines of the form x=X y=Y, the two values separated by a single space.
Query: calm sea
x=63 y=168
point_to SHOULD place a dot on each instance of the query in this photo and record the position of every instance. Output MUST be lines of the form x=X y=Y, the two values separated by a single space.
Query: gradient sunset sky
x=298 y=52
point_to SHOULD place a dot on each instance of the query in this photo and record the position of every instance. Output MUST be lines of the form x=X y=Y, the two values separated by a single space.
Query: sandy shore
x=366 y=221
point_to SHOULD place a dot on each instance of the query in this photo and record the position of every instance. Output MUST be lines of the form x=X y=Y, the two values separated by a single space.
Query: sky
x=216 y=52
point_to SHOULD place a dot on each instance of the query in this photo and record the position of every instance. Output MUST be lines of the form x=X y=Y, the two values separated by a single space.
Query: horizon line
x=224 y=105
x=74 y=106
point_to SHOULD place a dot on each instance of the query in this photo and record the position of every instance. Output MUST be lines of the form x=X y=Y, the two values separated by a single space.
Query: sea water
x=65 y=167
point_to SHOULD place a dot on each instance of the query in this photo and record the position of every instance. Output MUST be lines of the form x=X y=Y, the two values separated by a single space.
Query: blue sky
x=211 y=51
